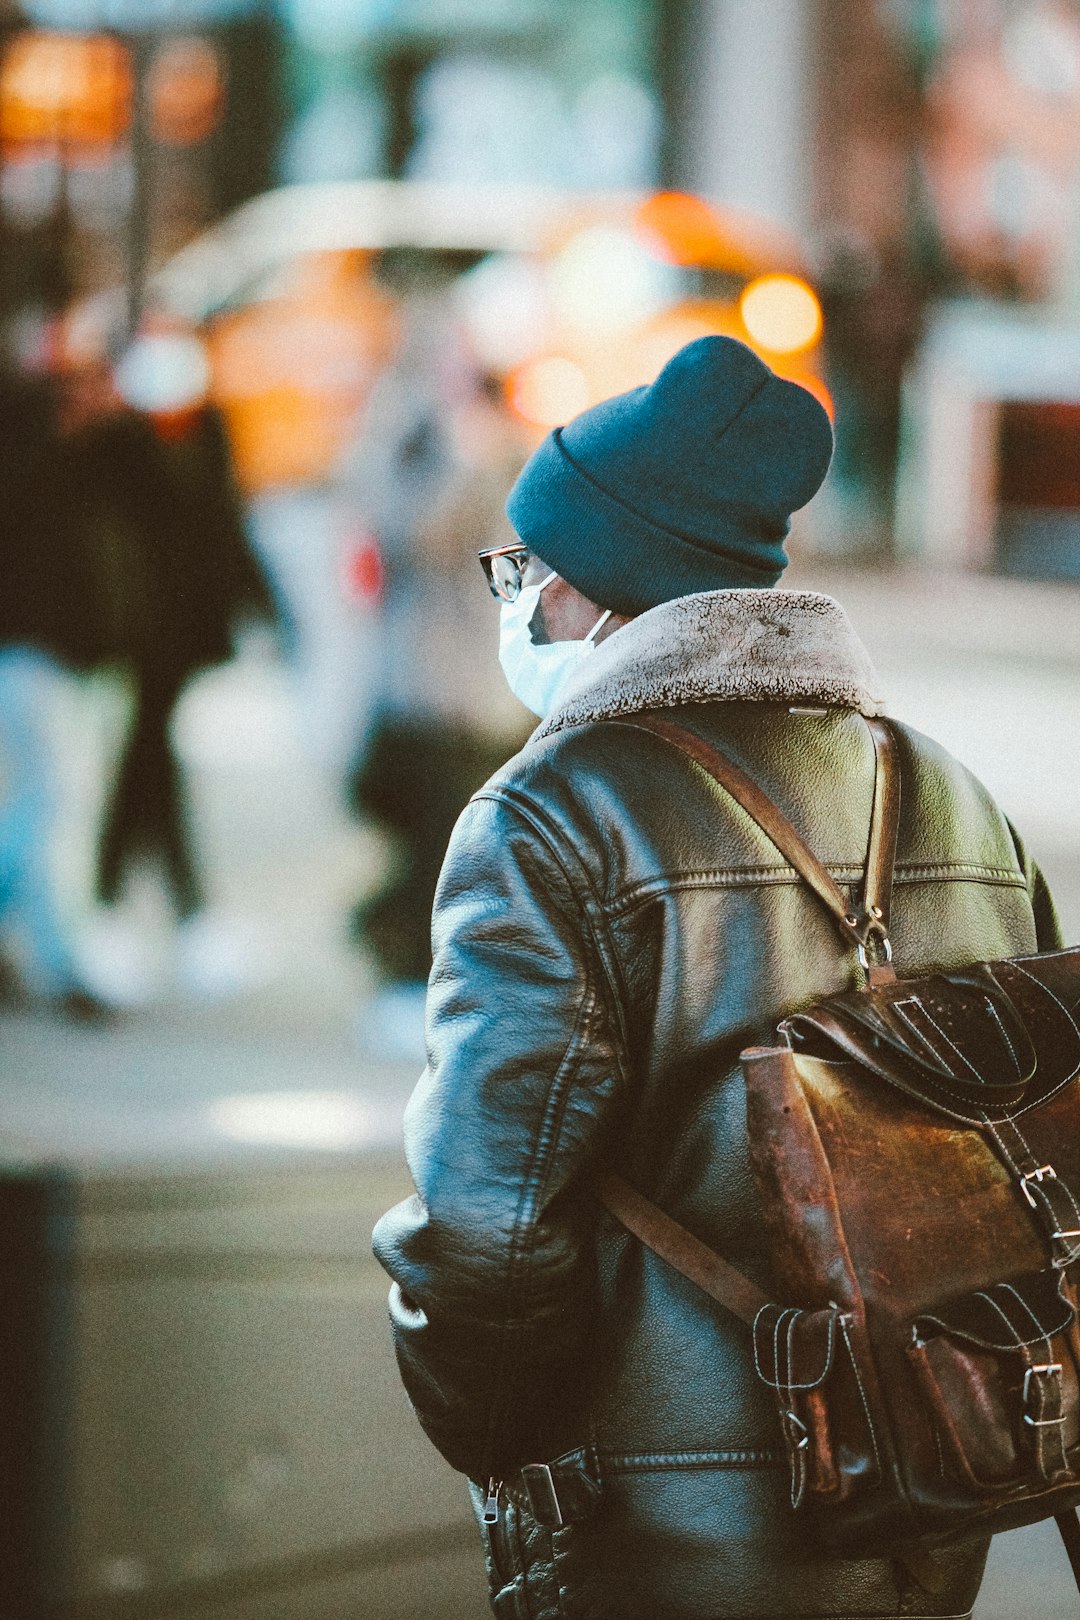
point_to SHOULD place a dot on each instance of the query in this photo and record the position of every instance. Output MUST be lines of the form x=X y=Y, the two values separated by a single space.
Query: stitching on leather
x=957 y=1099
x=777 y=1383
x=1059 y=1432
x=589 y=904
x=1036 y=1187
x=1048 y=1202
x=777 y=1325
x=1026 y=1307
x=523 y=1233
x=996 y=1134
x=676 y=1461
x=996 y=1016
x=736 y=877
x=924 y=1042
x=765 y=1379
x=862 y=1393
x=972 y=1338
x=1045 y=988
x=798 y=1457
x=913 y=1001
x=1020 y=1343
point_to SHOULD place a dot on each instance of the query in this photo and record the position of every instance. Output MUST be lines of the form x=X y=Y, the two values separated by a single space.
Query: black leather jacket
x=610 y=931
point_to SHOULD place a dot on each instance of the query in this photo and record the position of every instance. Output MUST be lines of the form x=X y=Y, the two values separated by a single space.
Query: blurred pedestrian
x=433 y=461
x=53 y=621
x=154 y=495
x=611 y=930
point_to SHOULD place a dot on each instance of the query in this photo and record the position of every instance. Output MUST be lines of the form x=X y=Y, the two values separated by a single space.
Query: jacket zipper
x=491 y=1501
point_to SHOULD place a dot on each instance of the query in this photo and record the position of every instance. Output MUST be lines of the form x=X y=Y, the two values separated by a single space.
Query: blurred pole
x=36 y=1247
x=56 y=277
x=142 y=161
x=743 y=111
x=10 y=22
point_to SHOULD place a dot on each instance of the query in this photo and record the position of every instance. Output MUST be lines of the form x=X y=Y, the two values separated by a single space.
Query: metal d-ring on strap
x=860 y=925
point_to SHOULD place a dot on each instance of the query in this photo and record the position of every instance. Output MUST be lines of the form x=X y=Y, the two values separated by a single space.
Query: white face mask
x=536 y=673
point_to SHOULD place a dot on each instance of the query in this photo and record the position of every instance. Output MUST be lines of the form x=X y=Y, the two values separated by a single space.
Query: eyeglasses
x=504 y=569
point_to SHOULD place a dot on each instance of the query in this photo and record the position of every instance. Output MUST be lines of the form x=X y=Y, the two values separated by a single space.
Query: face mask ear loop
x=597 y=627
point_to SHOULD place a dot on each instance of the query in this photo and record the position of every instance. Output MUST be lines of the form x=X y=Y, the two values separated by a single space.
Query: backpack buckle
x=795 y=1431
x=1040 y=1369
x=1045 y=1172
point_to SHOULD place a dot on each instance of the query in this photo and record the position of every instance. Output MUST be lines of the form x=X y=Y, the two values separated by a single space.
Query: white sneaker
x=219 y=956
x=121 y=963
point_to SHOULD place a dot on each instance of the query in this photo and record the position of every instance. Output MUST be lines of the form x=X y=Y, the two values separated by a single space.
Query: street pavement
x=989 y=667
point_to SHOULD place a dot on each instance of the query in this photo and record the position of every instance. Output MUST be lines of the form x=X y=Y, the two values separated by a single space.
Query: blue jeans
x=29 y=801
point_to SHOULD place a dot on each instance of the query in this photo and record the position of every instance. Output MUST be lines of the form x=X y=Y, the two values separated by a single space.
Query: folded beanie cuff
x=611 y=553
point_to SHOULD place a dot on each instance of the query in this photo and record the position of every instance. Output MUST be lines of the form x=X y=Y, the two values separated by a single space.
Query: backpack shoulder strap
x=644 y=1219
x=870 y=917
x=884 y=822
x=680 y=1248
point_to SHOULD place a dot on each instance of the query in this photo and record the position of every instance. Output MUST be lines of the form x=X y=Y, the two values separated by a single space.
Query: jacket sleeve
x=1047 y=927
x=492 y=1261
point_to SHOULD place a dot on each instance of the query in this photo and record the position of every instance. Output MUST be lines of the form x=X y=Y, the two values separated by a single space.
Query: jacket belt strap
x=559 y=1492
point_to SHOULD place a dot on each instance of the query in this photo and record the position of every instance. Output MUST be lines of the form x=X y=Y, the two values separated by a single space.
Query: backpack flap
x=954 y=1041
x=998 y=1370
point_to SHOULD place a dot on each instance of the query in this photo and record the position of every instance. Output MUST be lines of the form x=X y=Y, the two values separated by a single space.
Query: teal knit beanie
x=685 y=485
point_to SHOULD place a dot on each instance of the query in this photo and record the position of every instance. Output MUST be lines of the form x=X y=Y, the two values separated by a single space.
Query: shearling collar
x=766 y=646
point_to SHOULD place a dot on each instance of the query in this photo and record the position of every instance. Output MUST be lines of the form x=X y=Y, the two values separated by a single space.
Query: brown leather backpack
x=915 y=1144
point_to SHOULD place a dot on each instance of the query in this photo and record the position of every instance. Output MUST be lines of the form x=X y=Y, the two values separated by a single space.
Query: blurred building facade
x=922 y=151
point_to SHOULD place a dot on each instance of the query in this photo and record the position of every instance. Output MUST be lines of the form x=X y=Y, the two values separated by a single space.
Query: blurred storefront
x=126 y=128
x=919 y=152
x=555 y=92
x=948 y=183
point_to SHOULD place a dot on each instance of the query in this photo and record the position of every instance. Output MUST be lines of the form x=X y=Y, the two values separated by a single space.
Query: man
x=610 y=931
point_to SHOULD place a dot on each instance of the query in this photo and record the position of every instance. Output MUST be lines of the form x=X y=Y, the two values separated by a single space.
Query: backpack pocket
x=806 y=1359
x=998 y=1371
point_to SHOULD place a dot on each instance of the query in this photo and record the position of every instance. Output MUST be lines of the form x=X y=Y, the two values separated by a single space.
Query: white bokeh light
x=307 y=1119
x=604 y=282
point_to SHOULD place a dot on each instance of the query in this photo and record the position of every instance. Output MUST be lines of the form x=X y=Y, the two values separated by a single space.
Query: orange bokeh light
x=292 y=373
x=680 y=228
x=65 y=89
x=186 y=91
x=781 y=313
x=548 y=391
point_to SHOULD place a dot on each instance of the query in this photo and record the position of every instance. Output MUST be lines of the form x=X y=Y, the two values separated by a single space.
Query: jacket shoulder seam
x=747 y=877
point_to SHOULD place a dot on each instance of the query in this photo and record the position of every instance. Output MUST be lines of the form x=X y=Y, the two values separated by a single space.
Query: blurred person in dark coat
x=54 y=619
x=154 y=495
